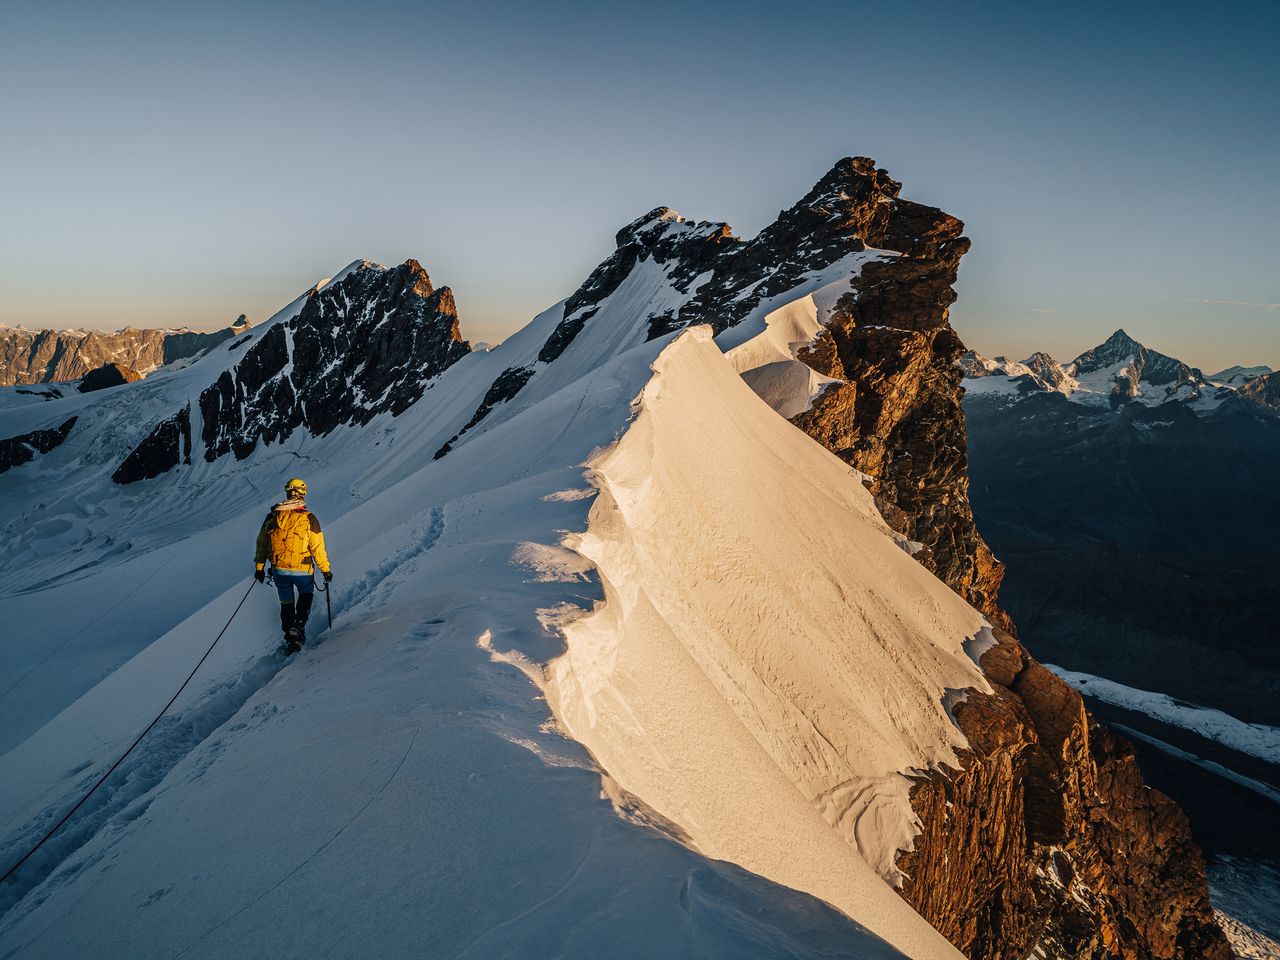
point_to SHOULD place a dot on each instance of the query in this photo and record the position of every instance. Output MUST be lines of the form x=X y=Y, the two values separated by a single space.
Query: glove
x=328 y=576
x=260 y=575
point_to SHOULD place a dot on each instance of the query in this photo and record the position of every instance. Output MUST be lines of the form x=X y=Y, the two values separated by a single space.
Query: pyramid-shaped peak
x=1116 y=348
x=1121 y=337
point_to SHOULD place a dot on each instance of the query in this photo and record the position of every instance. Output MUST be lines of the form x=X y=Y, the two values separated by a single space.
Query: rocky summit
x=1047 y=838
x=1041 y=867
x=368 y=343
x=1048 y=870
x=1040 y=839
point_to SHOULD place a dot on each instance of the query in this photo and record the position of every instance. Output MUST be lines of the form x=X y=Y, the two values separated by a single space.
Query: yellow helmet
x=297 y=487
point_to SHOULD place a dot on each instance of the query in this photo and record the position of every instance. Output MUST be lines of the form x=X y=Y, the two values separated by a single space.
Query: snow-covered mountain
x=1237 y=375
x=1139 y=539
x=1121 y=370
x=622 y=662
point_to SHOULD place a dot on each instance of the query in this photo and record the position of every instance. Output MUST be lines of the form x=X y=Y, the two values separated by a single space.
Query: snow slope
x=401 y=788
x=748 y=635
x=1254 y=739
x=115 y=552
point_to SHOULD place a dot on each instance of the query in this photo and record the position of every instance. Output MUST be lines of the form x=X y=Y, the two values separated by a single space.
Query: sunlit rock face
x=1047 y=835
x=47 y=356
x=1048 y=838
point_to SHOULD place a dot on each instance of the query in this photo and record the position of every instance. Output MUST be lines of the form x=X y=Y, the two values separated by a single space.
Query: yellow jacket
x=290 y=538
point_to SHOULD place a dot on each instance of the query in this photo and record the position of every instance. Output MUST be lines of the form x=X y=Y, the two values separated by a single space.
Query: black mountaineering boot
x=286 y=619
x=300 y=614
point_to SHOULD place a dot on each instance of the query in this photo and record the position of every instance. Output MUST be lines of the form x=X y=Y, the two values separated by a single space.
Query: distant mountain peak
x=1121 y=370
x=1038 y=373
x=1239 y=374
x=1115 y=349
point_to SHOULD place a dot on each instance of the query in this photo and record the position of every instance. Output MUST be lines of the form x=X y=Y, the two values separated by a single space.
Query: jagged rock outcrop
x=46 y=356
x=16 y=451
x=370 y=343
x=1263 y=390
x=1048 y=837
x=108 y=375
x=687 y=250
x=163 y=449
x=895 y=415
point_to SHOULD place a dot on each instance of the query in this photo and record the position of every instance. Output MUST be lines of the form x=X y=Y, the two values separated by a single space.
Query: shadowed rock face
x=163 y=449
x=368 y=344
x=16 y=451
x=108 y=375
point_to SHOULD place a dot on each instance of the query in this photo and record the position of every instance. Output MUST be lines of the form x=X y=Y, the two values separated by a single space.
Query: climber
x=290 y=538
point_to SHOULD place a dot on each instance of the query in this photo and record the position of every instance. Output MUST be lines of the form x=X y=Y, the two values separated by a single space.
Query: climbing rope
x=328 y=601
x=103 y=779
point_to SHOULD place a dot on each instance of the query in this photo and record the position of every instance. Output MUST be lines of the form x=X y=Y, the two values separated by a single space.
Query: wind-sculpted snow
x=748 y=635
x=748 y=669
x=395 y=755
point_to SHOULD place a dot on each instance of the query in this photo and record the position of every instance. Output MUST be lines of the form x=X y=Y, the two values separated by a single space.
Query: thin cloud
x=1044 y=309
x=1239 y=303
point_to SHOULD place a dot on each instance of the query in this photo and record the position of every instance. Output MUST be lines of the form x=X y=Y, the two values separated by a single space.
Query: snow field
x=747 y=661
x=768 y=663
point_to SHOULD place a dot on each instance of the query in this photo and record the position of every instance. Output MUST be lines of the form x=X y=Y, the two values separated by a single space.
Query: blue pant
x=287 y=582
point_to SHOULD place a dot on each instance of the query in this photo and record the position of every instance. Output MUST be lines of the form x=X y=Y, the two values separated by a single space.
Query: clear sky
x=171 y=163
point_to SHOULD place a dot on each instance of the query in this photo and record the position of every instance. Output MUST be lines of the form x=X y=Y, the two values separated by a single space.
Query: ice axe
x=328 y=604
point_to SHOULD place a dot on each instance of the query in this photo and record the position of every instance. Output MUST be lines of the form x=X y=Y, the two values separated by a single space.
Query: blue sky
x=181 y=164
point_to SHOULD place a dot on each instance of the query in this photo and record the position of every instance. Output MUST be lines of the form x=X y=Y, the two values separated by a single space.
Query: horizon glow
x=171 y=167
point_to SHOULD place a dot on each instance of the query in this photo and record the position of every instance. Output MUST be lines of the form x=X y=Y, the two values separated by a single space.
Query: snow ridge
x=714 y=660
